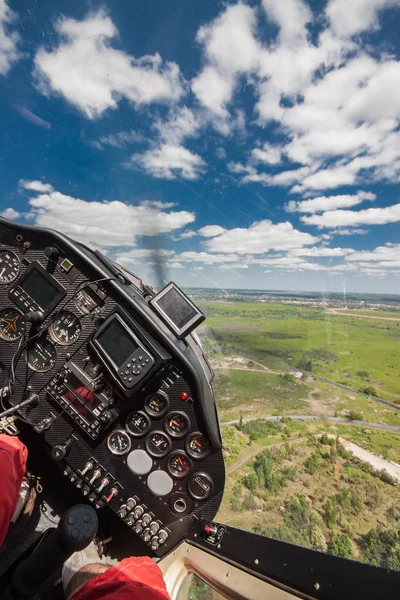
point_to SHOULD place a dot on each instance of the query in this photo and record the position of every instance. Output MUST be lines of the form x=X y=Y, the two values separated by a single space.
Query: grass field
x=352 y=351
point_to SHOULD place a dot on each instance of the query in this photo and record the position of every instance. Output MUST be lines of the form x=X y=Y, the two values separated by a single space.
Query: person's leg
x=134 y=577
x=13 y=455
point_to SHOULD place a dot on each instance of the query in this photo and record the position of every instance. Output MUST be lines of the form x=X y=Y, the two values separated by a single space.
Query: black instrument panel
x=142 y=449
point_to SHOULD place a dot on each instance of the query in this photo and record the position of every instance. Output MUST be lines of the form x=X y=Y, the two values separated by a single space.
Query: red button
x=184 y=396
x=207 y=529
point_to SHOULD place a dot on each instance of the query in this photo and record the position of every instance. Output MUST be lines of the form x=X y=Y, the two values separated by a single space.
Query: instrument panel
x=126 y=409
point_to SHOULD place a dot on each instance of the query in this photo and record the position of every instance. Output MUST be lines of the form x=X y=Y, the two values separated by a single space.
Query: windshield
x=250 y=152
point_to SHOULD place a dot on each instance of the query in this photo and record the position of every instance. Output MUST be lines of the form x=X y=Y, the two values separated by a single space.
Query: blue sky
x=251 y=144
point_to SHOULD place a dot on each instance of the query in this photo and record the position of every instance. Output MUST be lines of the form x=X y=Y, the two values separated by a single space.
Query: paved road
x=317 y=418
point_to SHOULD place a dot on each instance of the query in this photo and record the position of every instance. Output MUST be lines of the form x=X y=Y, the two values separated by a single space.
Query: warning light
x=184 y=396
x=26 y=245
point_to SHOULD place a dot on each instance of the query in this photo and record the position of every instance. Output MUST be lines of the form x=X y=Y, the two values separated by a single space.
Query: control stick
x=75 y=531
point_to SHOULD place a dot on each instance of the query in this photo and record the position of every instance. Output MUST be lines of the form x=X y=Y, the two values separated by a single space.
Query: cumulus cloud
x=36 y=186
x=107 y=224
x=169 y=162
x=260 y=237
x=211 y=231
x=348 y=20
x=324 y=203
x=9 y=53
x=185 y=235
x=345 y=218
x=267 y=154
x=11 y=214
x=93 y=76
x=230 y=49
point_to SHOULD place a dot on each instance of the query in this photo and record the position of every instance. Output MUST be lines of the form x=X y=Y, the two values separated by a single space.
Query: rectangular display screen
x=81 y=398
x=117 y=343
x=174 y=305
x=39 y=288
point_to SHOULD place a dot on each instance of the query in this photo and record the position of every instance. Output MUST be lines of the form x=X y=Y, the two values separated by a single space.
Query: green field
x=359 y=353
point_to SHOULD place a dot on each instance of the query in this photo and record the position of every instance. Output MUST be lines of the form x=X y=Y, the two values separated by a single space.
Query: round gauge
x=9 y=266
x=156 y=406
x=158 y=444
x=177 y=425
x=179 y=465
x=200 y=486
x=197 y=446
x=119 y=442
x=138 y=424
x=12 y=324
x=42 y=355
x=66 y=328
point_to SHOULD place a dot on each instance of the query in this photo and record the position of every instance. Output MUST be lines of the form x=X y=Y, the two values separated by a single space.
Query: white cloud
x=208 y=259
x=354 y=231
x=233 y=267
x=211 y=231
x=267 y=154
x=231 y=49
x=259 y=238
x=324 y=203
x=180 y=124
x=349 y=18
x=93 y=76
x=291 y=16
x=107 y=224
x=36 y=186
x=186 y=235
x=119 y=140
x=388 y=255
x=169 y=162
x=345 y=218
x=9 y=52
x=11 y=214
x=321 y=252
x=220 y=153
x=174 y=265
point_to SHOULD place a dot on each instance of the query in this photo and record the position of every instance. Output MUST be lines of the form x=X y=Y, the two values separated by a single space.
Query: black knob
x=51 y=252
x=60 y=451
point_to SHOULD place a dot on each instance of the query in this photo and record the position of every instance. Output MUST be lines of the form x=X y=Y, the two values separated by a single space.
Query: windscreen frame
x=194 y=322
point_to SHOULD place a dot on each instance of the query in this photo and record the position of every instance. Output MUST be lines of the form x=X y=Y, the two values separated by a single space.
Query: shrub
x=369 y=390
x=340 y=545
x=353 y=415
x=249 y=503
x=386 y=478
x=363 y=374
x=235 y=504
x=311 y=463
x=331 y=513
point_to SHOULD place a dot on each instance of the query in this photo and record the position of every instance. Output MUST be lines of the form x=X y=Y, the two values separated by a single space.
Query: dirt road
x=345 y=313
x=378 y=463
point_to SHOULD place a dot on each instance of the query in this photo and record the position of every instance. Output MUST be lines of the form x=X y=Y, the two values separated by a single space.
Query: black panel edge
x=310 y=573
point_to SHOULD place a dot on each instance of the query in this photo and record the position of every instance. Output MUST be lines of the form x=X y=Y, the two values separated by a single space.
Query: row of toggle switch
x=142 y=524
x=94 y=485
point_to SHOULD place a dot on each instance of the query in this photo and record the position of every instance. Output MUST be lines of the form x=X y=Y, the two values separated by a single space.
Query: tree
x=340 y=545
x=369 y=390
x=251 y=481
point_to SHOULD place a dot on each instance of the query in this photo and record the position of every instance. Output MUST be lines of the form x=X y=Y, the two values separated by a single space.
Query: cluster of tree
x=382 y=548
x=259 y=429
